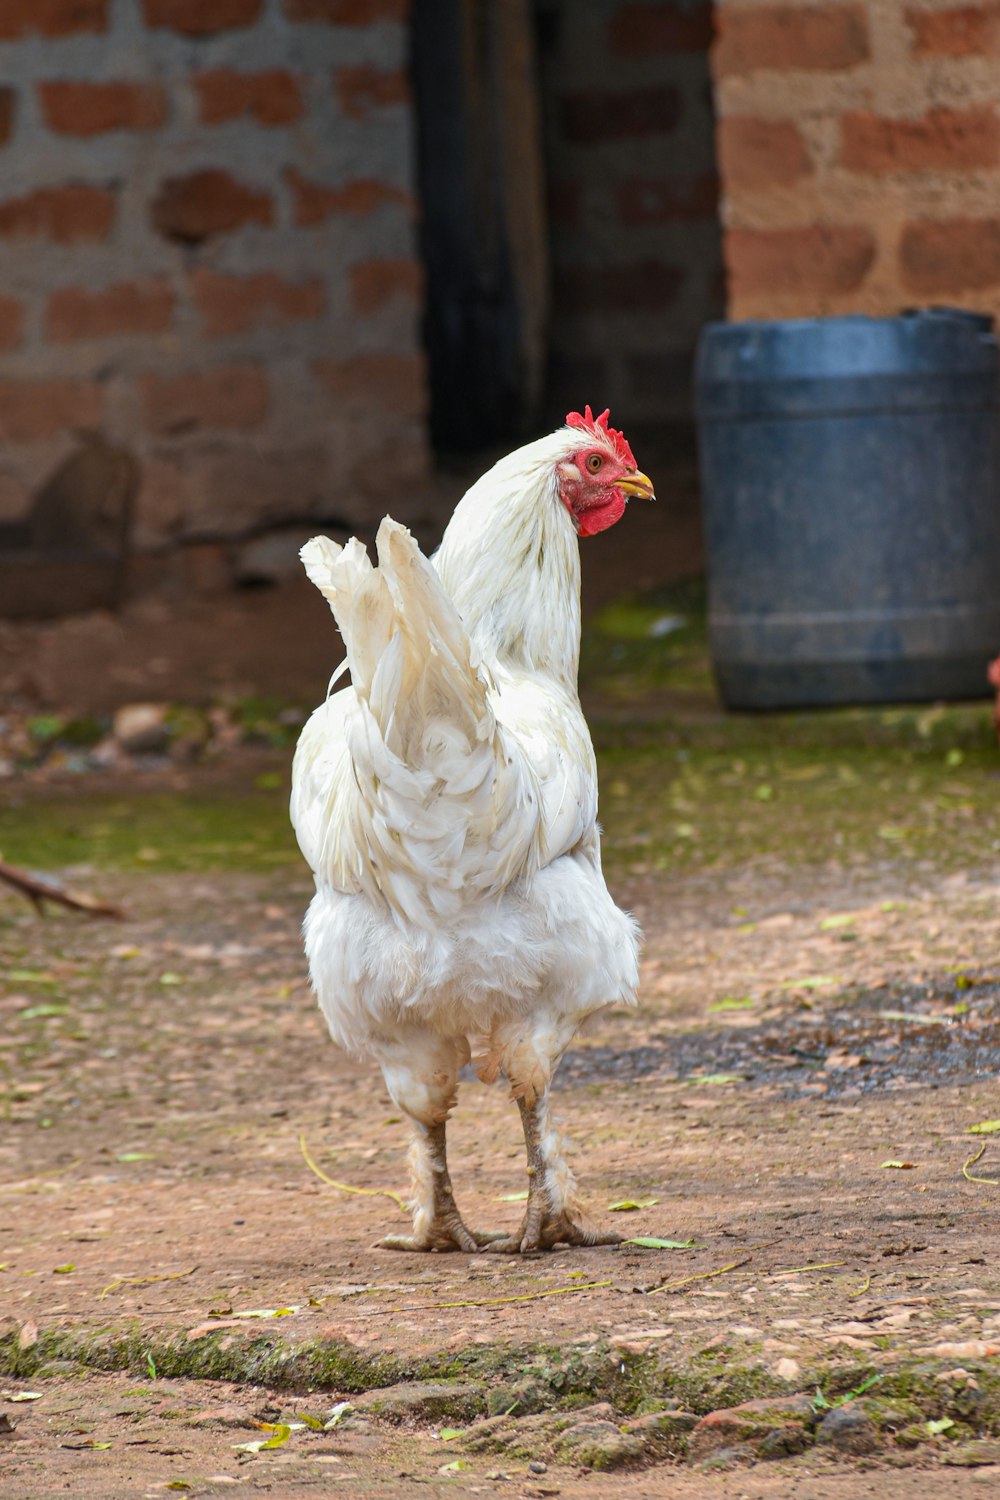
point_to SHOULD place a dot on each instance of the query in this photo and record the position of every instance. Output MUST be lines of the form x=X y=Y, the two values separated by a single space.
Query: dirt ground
x=156 y=1202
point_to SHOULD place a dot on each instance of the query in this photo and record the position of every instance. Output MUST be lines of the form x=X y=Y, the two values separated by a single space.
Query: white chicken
x=447 y=803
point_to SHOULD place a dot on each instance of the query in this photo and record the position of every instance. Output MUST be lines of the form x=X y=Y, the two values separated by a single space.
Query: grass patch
x=172 y=832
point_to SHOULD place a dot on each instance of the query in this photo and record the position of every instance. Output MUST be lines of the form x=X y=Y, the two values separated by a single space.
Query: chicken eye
x=594 y=463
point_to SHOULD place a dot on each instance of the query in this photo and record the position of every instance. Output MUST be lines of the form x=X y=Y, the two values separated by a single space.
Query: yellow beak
x=637 y=484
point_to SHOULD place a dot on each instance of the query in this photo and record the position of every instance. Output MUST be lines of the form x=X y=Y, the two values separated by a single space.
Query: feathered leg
x=421 y=1074
x=437 y=1223
x=555 y=1215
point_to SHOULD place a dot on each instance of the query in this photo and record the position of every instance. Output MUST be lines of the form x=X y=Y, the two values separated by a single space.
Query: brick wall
x=632 y=199
x=859 y=149
x=207 y=254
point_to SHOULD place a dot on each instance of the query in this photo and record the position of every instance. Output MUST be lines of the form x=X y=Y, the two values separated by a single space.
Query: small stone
x=536 y=1467
x=422 y=1401
x=980 y=1453
x=597 y=1445
x=141 y=728
x=847 y=1429
x=772 y=1427
x=519 y=1398
x=663 y=1434
x=726 y=1456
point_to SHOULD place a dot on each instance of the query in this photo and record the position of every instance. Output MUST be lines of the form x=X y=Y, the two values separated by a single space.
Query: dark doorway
x=483 y=226
x=569 y=202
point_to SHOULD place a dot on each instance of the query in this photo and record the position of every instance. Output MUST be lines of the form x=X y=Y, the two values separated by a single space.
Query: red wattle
x=599 y=517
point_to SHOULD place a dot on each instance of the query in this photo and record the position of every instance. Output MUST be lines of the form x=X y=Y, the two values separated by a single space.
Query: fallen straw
x=345 y=1187
x=144 y=1280
x=668 y=1286
x=556 y=1291
x=990 y=1181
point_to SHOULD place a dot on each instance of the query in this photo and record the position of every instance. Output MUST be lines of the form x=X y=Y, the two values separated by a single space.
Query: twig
x=824 y=1265
x=668 y=1286
x=144 y=1280
x=556 y=1291
x=990 y=1181
x=861 y=1289
x=40 y=891
x=25 y=1184
x=345 y=1187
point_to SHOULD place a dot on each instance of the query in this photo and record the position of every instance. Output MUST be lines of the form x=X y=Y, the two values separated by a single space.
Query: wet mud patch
x=874 y=1040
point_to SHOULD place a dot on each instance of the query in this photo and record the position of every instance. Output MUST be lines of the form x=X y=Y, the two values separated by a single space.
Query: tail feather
x=438 y=809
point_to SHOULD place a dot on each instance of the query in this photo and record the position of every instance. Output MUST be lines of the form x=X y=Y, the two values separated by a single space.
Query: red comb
x=599 y=427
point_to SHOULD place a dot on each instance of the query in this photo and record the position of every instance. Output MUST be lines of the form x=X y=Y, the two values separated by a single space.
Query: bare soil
x=155 y=1193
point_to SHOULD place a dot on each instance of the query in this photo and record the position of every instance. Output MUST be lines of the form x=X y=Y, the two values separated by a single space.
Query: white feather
x=447 y=799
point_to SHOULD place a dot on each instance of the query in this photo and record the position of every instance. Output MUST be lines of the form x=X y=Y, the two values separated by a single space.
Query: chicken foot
x=554 y=1215
x=437 y=1223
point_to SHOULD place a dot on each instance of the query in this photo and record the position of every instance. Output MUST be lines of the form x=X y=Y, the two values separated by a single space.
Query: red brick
x=51 y=17
x=942 y=139
x=667 y=200
x=11 y=323
x=315 y=201
x=395 y=382
x=93 y=108
x=599 y=115
x=273 y=98
x=231 y=396
x=376 y=282
x=645 y=287
x=824 y=258
x=76 y=312
x=201 y=17
x=815 y=37
x=209 y=202
x=639 y=29
x=7 y=105
x=756 y=153
x=364 y=88
x=66 y=214
x=235 y=304
x=347 y=12
x=31 y=410
x=950 y=255
x=965 y=31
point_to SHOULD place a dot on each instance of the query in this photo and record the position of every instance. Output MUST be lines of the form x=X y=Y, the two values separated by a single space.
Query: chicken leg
x=421 y=1074
x=554 y=1215
x=437 y=1223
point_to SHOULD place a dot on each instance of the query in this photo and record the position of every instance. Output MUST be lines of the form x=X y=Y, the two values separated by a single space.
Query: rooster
x=447 y=803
